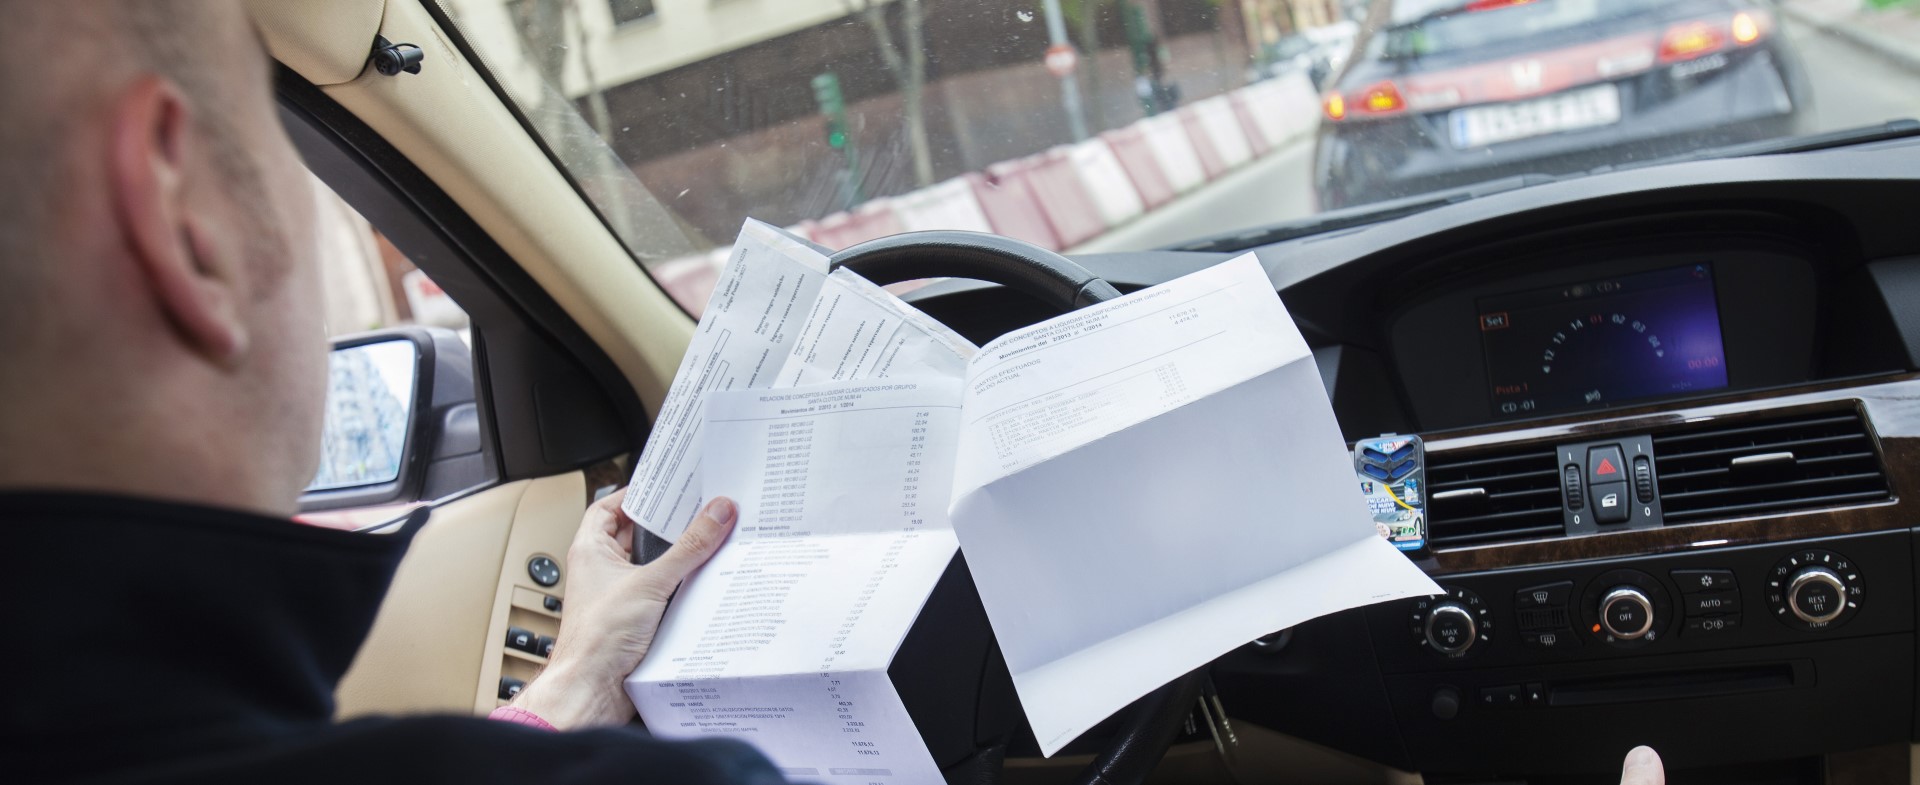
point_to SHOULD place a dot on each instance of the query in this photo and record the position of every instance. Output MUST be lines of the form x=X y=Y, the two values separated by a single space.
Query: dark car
x=1452 y=92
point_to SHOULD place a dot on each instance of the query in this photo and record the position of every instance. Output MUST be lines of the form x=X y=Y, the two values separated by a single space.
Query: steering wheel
x=1148 y=726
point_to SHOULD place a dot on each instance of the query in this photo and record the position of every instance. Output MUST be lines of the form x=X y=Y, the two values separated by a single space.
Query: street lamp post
x=1069 y=86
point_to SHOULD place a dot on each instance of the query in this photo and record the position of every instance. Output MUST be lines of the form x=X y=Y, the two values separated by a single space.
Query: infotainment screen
x=1603 y=342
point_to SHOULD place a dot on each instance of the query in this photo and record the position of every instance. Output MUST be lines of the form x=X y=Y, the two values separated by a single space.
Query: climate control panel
x=1714 y=598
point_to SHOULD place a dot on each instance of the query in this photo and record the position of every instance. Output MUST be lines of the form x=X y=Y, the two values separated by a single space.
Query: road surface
x=1851 y=88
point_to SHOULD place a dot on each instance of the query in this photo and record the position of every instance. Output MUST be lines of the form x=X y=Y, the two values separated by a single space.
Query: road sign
x=1061 y=60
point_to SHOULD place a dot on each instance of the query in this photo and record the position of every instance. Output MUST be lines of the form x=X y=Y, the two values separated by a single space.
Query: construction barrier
x=947 y=205
x=1136 y=157
x=869 y=221
x=1113 y=193
x=1168 y=139
x=1257 y=140
x=1064 y=198
x=1216 y=118
x=1011 y=209
x=1211 y=162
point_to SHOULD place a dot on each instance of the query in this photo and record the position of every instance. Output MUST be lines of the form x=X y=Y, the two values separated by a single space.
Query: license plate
x=1586 y=108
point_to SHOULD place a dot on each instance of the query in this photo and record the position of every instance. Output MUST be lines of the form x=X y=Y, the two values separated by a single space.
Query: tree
x=909 y=71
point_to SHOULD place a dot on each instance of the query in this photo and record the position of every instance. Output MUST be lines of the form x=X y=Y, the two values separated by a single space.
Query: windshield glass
x=1097 y=125
x=1425 y=27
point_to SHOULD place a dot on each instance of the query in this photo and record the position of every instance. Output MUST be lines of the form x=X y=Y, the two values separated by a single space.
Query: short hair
x=48 y=51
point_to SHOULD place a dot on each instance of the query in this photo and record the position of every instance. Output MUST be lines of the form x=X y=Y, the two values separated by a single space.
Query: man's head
x=160 y=323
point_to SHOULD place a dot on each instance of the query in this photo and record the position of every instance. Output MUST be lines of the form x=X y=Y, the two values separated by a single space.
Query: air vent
x=1781 y=464
x=1486 y=497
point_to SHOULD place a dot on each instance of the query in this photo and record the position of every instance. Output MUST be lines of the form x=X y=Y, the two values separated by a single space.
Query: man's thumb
x=698 y=542
x=1643 y=768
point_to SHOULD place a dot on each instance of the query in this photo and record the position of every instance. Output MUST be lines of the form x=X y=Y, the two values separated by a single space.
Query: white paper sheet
x=857 y=330
x=1145 y=484
x=784 y=638
x=758 y=306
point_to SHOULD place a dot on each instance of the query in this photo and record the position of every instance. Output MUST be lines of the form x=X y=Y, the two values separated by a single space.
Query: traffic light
x=826 y=92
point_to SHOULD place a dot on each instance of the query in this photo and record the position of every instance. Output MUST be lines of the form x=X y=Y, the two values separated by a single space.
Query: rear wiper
x=1360 y=215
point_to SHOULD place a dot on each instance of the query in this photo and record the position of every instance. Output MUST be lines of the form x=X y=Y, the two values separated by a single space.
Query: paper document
x=783 y=639
x=758 y=306
x=1139 y=487
x=1147 y=483
x=857 y=330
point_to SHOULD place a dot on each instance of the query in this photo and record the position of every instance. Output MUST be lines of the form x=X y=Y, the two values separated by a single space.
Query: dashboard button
x=1706 y=604
x=1712 y=625
x=1503 y=697
x=1643 y=479
x=1561 y=639
x=1610 y=502
x=1700 y=581
x=1605 y=464
x=1536 y=694
x=1570 y=479
x=1546 y=595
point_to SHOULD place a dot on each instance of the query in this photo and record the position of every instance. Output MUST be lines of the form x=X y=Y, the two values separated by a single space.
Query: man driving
x=161 y=408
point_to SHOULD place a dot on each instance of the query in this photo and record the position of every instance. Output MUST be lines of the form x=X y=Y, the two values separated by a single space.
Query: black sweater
x=158 y=642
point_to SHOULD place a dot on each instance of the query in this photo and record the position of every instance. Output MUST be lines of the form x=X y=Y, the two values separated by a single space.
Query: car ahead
x=1451 y=92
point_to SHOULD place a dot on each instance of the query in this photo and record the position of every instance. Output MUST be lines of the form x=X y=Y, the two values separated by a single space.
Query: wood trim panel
x=1891 y=407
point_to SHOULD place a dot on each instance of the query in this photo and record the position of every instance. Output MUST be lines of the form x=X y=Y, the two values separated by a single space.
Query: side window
x=367 y=283
x=394 y=331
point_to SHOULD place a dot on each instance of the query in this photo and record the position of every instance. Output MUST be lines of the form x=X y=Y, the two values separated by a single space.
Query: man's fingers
x=702 y=537
x=1643 y=768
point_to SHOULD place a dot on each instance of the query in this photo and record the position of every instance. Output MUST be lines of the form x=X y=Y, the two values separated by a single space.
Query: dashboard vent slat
x=1517 y=498
x=1701 y=475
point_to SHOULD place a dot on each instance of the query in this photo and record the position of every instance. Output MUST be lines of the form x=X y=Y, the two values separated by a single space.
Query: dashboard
x=1672 y=419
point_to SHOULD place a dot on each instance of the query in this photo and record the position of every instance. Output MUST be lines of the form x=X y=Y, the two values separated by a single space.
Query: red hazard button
x=1603 y=464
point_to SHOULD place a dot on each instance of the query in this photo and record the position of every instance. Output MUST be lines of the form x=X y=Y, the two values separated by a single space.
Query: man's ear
x=152 y=139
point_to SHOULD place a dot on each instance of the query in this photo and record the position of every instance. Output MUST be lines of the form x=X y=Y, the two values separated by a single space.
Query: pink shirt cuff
x=520 y=716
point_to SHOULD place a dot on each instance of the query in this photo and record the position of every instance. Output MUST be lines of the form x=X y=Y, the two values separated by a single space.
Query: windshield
x=1101 y=125
x=1425 y=27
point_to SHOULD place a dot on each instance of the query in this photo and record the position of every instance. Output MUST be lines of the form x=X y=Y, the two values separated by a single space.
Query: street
x=1851 y=88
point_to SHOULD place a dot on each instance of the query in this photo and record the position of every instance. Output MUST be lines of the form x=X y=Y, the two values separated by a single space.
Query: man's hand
x=613 y=610
x=1643 y=768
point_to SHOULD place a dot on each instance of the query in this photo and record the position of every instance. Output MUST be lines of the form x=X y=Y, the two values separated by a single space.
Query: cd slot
x=1675 y=685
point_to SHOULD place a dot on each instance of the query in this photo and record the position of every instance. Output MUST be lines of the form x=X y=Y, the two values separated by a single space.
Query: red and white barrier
x=1168 y=139
x=689 y=280
x=1063 y=197
x=1257 y=140
x=1216 y=117
x=1010 y=208
x=946 y=205
x=1131 y=149
x=869 y=221
x=1112 y=192
x=1211 y=162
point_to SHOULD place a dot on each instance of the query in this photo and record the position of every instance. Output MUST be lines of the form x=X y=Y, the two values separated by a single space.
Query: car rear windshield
x=1428 y=27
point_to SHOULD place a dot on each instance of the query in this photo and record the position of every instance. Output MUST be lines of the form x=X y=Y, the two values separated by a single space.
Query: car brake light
x=1382 y=98
x=1746 y=29
x=1689 y=40
x=1335 y=106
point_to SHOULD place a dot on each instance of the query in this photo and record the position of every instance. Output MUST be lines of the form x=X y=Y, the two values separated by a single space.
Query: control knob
x=1814 y=589
x=1626 y=613
x=1451 y=624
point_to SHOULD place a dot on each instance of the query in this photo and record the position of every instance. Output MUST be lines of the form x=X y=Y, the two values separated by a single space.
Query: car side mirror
x=402 y=423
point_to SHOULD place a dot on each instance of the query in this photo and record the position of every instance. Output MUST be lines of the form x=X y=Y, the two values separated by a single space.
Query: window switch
x=543 y=646
x=523 y=640
x=510 y=687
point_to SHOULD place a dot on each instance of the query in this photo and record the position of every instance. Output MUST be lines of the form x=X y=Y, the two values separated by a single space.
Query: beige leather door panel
x=439 y=643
